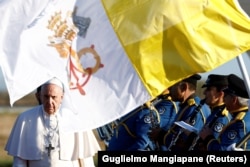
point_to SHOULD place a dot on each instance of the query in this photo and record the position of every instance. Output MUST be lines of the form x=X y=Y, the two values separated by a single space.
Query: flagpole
x=244 y=73
x=247 y=83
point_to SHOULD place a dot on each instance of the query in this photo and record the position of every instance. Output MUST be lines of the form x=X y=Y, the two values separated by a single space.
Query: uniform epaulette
x=240 y=116
x=169 y=98
x=191 y=102
x=165 y=96
x=224 y=112
x=239 y=110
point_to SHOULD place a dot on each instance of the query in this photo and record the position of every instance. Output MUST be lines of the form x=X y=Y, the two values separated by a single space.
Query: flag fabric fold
x=167 y=41
x=74 y=41
x=113 y=56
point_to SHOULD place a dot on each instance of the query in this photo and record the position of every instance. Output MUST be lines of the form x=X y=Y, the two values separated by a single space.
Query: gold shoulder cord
x=127 y=129
x=190 y=102
x=239 y=117
x=125 y=126
x=152 y=108
x=174 y=104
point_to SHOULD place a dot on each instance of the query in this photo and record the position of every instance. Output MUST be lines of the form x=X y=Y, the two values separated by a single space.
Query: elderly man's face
x=51 y=97
x=229 y=101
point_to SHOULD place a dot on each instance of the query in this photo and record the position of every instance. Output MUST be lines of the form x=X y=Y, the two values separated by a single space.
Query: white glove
x=233 y=147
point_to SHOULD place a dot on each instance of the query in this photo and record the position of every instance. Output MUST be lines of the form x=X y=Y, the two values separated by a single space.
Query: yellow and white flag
x=168 y=40
x=114 y=55
x=74 y=41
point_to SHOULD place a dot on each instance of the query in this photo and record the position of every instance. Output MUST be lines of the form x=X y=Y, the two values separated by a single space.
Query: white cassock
x=28 y=141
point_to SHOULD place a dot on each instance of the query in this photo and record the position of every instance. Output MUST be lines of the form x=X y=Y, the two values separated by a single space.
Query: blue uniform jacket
x=219 y=118
x=167 y=110
x=132 y=134
x=238 y=127
x=186 y=111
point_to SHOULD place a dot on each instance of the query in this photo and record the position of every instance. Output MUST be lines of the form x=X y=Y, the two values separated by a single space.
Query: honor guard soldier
x=235 y=99
x=191 y=110
x=219 y=116
x=167 y=109
x=131 y=133
x=132 y=130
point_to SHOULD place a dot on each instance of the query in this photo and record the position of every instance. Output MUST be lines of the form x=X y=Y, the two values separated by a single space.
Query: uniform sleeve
x=142 y=127
x=231 y=135
x=167 y=111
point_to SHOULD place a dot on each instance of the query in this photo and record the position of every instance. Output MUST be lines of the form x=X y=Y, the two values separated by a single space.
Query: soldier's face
x=229 y=101
x=212 y=96
x=176 y=92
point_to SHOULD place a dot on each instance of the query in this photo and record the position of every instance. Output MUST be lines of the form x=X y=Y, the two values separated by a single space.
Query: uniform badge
x=192 y=122
x=147 y=119
x=218 y=127
x=232 y=134
x=161 y=110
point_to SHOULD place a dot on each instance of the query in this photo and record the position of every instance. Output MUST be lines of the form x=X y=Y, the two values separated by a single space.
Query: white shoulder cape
x=26 y=139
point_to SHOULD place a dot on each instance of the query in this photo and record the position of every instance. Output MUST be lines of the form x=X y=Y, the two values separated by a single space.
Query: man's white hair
x=55 y=81
x=243 y=101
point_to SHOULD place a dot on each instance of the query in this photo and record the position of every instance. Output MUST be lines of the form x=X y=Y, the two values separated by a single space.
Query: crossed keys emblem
x=64 y=32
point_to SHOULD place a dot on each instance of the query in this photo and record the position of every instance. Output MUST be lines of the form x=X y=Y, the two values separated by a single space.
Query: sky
x=231 y=67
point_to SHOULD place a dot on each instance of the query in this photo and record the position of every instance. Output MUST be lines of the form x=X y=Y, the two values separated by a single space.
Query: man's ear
x=234 y=99
x=219 y=93
x=184 y=86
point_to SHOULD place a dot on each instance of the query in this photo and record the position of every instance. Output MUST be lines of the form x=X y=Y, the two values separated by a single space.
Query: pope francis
x=36 y=139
